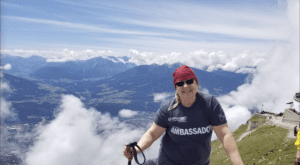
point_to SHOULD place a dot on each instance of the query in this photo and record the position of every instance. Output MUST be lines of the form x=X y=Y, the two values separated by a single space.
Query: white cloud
x=67 y=55
x=158 y=97
x=167 y=45
x=5 y=87
x=226 y=21
x=242 y=62
x=201 y=59
x=235 y=116
x=246 y=70
x=6 y=67
x=275 y=81
x=277 y=78
x=181 y=16
x=71 y=138
x=86 y=27
x=127 y=113
x=182 y=27
x=61 y=56
x=70 y=132
x=57 y=60
x=20 y=52
x=6 y=111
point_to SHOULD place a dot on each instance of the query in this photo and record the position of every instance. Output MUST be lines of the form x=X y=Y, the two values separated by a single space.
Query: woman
x=187 y=120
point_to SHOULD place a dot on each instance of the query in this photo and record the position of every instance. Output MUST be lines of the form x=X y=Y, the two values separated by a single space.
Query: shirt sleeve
x=161 y=117
x=217 y=115
x=297 y=143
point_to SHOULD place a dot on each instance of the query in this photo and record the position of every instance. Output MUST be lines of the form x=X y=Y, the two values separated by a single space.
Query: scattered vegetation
x=267 y=145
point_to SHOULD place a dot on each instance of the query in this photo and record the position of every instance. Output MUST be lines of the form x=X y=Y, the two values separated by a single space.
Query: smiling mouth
x=187 y=92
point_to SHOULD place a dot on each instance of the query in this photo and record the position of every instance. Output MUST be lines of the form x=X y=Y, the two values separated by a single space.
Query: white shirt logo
x=191 y=131
x=178 y=119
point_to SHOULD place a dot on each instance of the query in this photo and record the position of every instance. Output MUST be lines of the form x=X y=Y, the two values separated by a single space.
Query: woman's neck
x=188 y=102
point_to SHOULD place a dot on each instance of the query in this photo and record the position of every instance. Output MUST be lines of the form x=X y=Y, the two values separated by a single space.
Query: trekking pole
x=134 y=152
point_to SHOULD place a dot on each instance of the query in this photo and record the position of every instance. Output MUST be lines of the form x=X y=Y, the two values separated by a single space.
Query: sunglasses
x=190 y=81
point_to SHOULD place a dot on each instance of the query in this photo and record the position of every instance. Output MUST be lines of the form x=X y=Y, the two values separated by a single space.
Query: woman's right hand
x=128 y=152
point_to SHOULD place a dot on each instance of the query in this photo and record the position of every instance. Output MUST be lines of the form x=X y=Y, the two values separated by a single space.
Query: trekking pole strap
x=134 y=152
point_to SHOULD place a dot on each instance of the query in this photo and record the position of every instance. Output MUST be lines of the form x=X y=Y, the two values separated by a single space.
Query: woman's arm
x=154 y=132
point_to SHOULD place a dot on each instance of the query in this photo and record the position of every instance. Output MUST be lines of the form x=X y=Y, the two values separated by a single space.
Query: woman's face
x=187 y=91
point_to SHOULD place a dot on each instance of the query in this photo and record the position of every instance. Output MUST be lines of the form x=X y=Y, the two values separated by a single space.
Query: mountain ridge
x=132 y=89
x=38 y=68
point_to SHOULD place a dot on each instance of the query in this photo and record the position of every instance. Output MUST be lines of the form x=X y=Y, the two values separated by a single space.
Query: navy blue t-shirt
x=188 y=130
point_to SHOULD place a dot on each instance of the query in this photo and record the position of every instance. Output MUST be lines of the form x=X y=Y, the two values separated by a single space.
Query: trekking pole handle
x=134 y=152
x=130 y=158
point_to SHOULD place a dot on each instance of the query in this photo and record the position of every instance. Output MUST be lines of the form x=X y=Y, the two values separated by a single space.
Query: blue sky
x=145 y=26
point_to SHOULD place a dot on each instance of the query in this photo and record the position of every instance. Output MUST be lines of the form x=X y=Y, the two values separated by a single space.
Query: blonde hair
x=177 y=100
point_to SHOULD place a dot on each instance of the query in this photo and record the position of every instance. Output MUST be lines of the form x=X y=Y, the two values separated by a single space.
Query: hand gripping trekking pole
x=134 y=152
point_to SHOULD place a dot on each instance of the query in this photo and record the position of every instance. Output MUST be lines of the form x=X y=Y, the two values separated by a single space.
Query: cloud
x=20 y=52
x=62 y=56
x=176 y=29
x=235 y=116
x=7 y=112
x=86 y=27
x=277 y=78
x=6 y=67
x=5 y=86
x=127 y=113
x=246 y=70
x=69 y=55
x=265 y=28
x=159 y=97
x=181 y=17
x=73 y=138
x=275 y=81
x=70 y=132
x=241 y=62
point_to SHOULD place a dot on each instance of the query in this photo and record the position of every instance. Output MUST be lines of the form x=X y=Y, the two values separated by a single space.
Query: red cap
x=183 y=73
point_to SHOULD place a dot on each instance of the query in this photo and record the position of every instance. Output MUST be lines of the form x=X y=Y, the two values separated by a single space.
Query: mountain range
x=133 y=88
x=36 y=67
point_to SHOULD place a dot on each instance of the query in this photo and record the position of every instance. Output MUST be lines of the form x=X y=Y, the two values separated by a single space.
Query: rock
x=252 y=125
